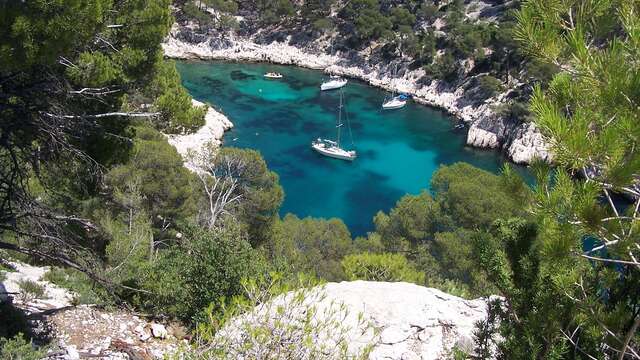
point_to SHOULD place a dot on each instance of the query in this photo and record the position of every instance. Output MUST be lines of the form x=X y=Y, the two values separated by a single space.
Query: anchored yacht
x=332 y=148
x=335 y=82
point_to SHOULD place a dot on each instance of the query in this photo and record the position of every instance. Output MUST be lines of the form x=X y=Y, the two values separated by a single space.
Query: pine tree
x=571 y=282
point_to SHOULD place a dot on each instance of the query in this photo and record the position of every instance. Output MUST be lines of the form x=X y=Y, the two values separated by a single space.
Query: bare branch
x=103 y=115
x=610 y=260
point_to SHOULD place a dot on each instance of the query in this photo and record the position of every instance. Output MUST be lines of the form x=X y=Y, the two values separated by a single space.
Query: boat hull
x=393 y=105
x=332 y=86
x=343 y=155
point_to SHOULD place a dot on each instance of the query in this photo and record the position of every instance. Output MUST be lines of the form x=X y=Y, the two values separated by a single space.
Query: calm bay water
x=398 y=150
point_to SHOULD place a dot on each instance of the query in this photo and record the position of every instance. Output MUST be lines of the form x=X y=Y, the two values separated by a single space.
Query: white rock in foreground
x=413 y=322
x=54 y=297
x=212 y=132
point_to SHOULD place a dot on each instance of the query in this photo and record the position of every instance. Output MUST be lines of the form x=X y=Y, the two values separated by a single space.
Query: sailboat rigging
x=332 y=148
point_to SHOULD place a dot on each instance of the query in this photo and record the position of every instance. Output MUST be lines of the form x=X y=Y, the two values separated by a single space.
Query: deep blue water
x=398 y=150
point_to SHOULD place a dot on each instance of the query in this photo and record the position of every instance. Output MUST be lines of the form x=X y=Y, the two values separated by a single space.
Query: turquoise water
x=398 y=150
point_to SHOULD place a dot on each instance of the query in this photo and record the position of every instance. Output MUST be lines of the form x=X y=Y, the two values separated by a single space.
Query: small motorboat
x=395 y=102
x=273 y=75
x=335 y=82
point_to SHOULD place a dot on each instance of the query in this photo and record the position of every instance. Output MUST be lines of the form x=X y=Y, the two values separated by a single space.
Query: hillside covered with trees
x=90 y=185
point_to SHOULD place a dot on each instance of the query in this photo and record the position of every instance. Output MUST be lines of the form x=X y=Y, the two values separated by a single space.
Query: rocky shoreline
x=521 y=142
x=211 y=133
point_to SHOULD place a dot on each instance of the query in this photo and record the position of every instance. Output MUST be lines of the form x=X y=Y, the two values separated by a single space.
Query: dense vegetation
x=89 y=183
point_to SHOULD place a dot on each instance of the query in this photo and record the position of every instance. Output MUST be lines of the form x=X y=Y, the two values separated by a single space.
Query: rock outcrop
x=527 y=143
x=84 y=331
x=521 y=143
x=210 y=134
x=406 y=321
x=54 y=297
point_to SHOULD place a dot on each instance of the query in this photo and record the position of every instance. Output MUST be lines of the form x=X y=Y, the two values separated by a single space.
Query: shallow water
x=398 y=150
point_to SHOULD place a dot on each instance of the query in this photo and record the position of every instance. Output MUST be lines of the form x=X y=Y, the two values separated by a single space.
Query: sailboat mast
x=395 y=73
x=339 y=119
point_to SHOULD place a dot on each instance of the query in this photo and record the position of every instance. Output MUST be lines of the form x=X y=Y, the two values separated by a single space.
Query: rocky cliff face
x=399 y=320
x=521 y=141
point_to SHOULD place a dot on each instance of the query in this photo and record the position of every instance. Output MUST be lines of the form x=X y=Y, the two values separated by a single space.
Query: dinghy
x=273 y=75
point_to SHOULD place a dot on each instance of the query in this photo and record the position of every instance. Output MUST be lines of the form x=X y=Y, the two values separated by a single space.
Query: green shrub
x=207 y=265
x=30 y=290
x=489 y=86
x=444 y=68
x=322 y=24
x=381 y=267
x=17 y=348
x=313 y=246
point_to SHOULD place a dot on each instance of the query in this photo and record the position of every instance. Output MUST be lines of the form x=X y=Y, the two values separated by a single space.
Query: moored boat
x=335 y=82
x=395 y=102
x=332 y=148
x=273 y=75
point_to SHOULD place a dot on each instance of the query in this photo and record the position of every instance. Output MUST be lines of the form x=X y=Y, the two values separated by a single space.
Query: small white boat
x=273 y=75
x=335 y=82
x=332 y=148
x=395 y=102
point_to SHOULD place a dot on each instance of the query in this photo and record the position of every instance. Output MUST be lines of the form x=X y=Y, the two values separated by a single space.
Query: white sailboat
x=395 y=101
x=332 y=148
x=335 y=82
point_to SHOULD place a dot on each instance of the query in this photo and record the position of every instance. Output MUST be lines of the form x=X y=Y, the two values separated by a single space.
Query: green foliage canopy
x=380 y=267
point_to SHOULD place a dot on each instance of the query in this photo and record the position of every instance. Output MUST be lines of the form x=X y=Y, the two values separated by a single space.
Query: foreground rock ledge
x=410 y=321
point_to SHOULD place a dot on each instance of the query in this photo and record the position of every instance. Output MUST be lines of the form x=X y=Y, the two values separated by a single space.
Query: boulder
x=159 y=331
x=405 y=321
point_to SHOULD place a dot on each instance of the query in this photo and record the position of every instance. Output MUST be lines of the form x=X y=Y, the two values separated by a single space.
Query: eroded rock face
x=408 y=321
x=487 y=132
x=528 y=144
